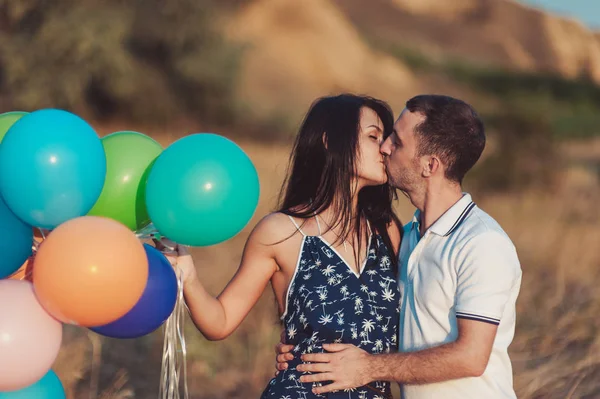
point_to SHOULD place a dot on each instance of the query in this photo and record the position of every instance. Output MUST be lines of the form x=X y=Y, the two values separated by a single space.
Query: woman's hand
x=179 y=257
x=185 y=264
x=217 y=317
x=283 y=354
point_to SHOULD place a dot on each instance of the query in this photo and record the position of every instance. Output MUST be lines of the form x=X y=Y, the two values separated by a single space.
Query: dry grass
x=555 y=351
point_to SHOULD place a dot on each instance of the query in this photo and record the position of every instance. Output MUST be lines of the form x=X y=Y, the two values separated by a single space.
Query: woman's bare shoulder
x=274 y=227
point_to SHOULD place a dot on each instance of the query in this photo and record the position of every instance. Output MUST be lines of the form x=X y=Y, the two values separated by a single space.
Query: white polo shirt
x=464 y=266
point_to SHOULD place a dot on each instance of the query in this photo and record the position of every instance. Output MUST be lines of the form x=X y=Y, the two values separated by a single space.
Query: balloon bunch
x=91 y=202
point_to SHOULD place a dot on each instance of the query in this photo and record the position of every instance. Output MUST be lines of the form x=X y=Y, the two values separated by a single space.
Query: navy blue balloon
x=154 y=307
x=16 y=239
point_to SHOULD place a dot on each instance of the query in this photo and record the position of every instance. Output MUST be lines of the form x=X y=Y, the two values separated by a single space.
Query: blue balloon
x=49 y=387
x=154 y=307
x=16 y=240
x=52 y=167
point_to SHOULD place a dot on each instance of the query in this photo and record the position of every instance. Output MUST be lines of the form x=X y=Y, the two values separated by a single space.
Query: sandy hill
x=299 y=50
x=497 y=32
x=326 y=46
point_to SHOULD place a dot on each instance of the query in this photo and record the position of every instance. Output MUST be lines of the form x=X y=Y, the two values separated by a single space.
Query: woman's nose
x=385 y=148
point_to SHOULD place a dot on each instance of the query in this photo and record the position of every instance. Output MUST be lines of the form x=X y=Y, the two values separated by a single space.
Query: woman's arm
x=217 y=318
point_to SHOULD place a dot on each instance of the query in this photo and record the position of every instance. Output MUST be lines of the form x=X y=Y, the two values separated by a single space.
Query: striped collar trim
x=451 y=219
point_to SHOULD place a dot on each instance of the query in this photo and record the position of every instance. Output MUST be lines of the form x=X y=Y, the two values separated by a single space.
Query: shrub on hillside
x=524 y=154
x=145 y=60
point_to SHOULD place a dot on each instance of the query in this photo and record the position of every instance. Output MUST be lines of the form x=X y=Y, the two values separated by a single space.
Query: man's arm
x=487 y=270
x=350 y=367
x=466 y=357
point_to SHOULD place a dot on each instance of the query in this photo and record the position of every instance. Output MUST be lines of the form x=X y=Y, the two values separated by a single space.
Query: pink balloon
x=29 y=337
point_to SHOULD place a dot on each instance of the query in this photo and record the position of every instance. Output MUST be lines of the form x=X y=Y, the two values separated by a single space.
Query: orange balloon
x=90 y=271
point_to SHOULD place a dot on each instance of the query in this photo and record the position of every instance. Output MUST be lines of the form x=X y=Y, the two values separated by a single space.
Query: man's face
x=400 y=151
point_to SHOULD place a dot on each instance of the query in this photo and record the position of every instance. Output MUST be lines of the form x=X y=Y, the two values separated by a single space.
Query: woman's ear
x=324 y=137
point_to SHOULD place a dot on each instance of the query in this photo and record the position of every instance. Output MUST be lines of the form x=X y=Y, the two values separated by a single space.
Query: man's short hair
x=452 y=130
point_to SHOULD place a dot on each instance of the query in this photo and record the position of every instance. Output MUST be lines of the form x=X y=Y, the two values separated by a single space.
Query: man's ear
x=325 y=140
x=431 y=165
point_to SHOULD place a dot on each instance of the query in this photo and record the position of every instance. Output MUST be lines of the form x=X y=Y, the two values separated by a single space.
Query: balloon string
x=172 y=364
x=181 y=332
x=42 y=233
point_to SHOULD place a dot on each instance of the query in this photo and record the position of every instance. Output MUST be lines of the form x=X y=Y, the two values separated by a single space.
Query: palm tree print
x=388 y=295
x=385 y=263
x=344 y=291
x=371 y=295
x=358 y=305
x=291 y=332
x=367 y=327
x=354 y=330
x=303 y=319
x=340 y=317
x=328 y=252
x=371 y=273
x=328 y=302
x=378 y=348
x=325 y=319
x=322 y=291
x=292 y=377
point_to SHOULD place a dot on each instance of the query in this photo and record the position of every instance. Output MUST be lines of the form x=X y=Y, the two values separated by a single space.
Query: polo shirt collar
x=451 y=219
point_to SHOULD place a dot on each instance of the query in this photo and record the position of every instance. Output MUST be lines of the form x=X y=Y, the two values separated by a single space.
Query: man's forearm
x=442 y=363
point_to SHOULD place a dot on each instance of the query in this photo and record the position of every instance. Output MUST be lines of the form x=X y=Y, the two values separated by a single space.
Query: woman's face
x=370 y=165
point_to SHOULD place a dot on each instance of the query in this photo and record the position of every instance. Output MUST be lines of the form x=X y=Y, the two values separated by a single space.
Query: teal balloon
x=52 y=167
x=202 y=190
x=16 y=240
x=49 y=387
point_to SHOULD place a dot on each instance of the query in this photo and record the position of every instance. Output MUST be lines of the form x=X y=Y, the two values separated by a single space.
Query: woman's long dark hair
x=321 y=176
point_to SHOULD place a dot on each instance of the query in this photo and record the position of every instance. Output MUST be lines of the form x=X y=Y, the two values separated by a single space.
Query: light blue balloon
x=16 y=239
x=203 y=189
x=49 y=387
x=52 y=167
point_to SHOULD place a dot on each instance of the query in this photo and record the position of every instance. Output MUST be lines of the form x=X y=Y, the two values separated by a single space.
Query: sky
x=587 y=11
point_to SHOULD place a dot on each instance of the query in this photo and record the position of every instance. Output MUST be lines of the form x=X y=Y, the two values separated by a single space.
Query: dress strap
x=296 y=224
x=318 y=225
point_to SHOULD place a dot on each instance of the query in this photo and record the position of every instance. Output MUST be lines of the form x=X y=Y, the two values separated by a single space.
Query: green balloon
x=7 y=119
x=129 y=157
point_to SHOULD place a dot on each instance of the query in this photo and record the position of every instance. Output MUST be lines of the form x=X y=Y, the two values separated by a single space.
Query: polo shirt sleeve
x=487 y=270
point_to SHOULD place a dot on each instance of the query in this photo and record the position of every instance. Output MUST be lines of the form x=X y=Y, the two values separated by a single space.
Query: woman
x=329 y=252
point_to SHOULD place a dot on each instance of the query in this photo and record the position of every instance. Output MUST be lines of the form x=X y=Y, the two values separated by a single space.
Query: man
x=459 y=272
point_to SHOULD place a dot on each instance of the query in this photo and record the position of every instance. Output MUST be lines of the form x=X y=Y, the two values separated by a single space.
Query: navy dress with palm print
x=328 y=302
